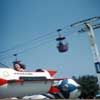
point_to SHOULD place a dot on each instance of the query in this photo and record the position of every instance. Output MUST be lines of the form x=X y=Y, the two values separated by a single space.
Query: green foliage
x=89 y=86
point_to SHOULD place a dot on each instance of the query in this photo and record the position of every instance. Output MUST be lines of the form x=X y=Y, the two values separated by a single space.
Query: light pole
x=89 y=28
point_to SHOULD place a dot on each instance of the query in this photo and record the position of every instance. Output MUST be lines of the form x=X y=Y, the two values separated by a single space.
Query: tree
x=89 y=86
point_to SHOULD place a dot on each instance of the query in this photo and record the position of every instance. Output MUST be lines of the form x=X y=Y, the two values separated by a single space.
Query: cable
x=39 y=41
x=27 y=42
x=3 y=65
x=35 y=42
x=35 y=45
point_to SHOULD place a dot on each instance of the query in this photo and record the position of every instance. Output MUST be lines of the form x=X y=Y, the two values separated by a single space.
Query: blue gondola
x=62 y=47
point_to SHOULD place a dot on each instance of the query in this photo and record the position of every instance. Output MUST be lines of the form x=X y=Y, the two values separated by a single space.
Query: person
x=62 y=47
x=19 y=66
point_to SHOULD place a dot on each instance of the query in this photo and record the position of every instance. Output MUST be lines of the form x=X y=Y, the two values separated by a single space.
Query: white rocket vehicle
x=62 y=89
x=20 y=84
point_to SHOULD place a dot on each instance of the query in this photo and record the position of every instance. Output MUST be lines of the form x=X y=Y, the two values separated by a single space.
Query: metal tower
x=89 y=27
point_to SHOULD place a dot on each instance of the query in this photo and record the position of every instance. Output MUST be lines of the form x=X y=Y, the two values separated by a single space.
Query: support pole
x=94 y=48
x=89 y=27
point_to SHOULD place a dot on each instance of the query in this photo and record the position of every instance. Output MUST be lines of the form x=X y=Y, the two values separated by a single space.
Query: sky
x=28 y=28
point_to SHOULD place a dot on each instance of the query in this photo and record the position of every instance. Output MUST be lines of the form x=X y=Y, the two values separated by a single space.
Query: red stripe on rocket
x=3 y=81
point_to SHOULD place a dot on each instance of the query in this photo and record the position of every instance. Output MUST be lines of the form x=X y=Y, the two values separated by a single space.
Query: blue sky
x=23 y=21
